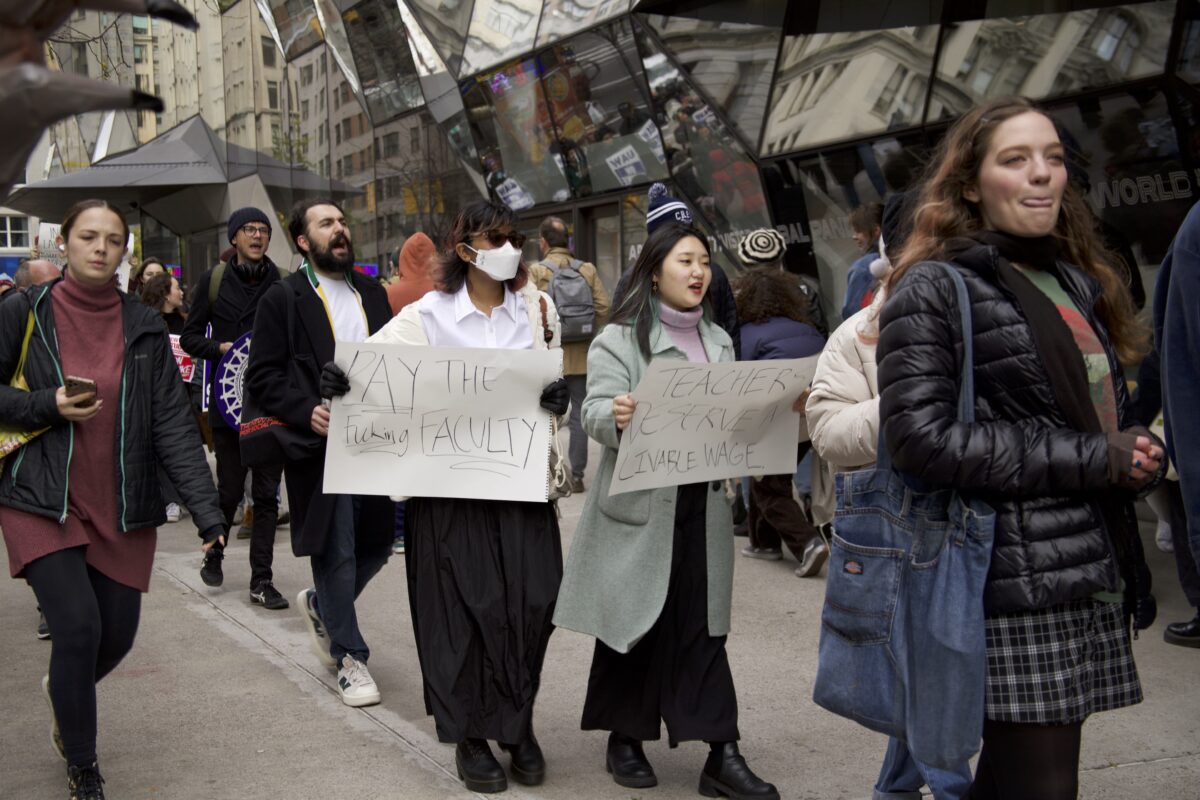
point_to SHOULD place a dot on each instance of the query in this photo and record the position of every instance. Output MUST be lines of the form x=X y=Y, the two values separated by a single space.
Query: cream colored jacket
x=843 y=409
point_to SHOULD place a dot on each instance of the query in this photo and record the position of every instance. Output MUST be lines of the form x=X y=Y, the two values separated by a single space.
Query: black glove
x=334 y=382
x=556 y=398
x=214 y=533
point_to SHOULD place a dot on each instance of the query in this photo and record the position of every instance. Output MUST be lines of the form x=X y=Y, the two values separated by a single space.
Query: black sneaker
x=266 y=594
x=85 y=783
x=43 y=630
x=210 y=571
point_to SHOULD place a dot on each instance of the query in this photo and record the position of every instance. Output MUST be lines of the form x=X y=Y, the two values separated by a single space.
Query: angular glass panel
x=385 y=65
x=442 y=98
x=241 y=29
x=446 y=23
x=210 y=68
x=1189 y=45
x=710 y=166
x=353 y=153
x=563 y=17
x=606 y=138
x=833 y=86
x=293 y=23
x=500 y=29
x=731 y=62
x=510 y=122
x=338 y=42
x=812 y=197
x=1049 y=55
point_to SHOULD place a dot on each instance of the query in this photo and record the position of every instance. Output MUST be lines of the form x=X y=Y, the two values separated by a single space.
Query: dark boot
x=478 y=769
x=725 y=774
x=1185 y=634
x=85 y=783
x=627 y=762
x=528 y=765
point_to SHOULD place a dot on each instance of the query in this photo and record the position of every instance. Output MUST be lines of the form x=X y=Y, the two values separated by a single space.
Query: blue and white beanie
x=664 y=208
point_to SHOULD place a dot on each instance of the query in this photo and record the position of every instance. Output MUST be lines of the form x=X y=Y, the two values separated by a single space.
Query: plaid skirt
x=1057 y=665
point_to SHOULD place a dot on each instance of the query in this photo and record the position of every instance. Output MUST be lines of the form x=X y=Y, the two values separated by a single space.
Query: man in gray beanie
x=227 y=299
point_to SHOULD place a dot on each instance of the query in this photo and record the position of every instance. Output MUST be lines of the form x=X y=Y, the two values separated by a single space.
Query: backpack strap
x=214 y=282
x=546 y=332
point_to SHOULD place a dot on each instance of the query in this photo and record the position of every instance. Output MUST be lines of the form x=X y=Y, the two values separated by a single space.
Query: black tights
x=1027 y=762
x=92 y=620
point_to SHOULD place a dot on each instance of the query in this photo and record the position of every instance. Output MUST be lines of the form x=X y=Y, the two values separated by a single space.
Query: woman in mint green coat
x=650 y=573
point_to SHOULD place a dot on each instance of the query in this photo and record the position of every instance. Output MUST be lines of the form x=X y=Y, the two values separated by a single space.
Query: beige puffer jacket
x=843 y=409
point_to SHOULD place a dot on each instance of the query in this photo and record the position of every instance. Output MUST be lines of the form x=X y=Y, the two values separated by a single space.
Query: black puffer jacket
x=155 y=423
x=1043 y=478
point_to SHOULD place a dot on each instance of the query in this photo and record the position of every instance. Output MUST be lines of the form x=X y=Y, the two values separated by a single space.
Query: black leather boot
x=528 y=764
x=726 y=774
x=627 y=762
x=478 y=769
x=1185 y=634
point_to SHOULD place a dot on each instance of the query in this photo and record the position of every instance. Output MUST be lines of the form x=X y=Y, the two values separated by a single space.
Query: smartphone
x=76 y=386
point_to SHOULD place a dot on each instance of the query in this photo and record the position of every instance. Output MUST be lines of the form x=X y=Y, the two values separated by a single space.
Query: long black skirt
x=483 y=579
x=677 y=671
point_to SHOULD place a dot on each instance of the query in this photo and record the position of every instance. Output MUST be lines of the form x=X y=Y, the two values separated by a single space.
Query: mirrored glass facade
x=785 y=115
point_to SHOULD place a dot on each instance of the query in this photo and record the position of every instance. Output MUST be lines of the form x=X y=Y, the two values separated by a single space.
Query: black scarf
x=1058 y=351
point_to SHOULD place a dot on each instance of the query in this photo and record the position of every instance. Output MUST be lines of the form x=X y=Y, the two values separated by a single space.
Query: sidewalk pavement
x=221 y=700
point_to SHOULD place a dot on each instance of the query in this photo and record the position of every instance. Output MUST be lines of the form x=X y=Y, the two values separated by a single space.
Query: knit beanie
x=664 y=208
x=762 y=246
x=244 y=216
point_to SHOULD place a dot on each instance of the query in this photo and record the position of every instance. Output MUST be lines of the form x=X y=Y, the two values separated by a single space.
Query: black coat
x=308 y=344
x=1044 y=479
x=231 y=317
x=155 y=421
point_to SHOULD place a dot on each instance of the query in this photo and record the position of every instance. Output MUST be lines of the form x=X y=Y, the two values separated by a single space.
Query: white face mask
x=501 y=264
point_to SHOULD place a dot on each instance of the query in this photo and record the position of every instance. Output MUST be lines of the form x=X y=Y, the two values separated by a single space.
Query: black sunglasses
x=498 y=238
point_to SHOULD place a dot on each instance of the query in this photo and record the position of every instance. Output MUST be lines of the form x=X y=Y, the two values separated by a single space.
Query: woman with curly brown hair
x=1053 y=449
x=771 y=311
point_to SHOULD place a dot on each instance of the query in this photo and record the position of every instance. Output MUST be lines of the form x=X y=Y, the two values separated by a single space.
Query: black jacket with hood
x=1048 y=483
x=154 y=422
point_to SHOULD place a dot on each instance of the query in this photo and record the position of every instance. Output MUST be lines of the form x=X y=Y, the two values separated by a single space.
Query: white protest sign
x=627 y=165
x=648 y=133
x=704 y=422
x=441 y=422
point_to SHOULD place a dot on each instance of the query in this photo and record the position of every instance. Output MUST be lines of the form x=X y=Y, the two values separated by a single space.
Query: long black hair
x=639 y=306
x=478 y=217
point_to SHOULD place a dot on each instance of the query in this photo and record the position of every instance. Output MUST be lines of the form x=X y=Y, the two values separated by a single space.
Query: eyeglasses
x=256 y=230
x=498 y=238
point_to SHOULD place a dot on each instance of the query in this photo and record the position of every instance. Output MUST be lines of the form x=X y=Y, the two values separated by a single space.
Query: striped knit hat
x=664 y=208
x=762 y=246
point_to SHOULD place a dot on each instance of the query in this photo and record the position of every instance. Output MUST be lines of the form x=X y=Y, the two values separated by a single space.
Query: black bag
x=265 y=440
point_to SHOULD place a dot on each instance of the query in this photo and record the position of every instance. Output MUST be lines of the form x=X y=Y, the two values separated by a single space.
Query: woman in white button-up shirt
x=483 y=575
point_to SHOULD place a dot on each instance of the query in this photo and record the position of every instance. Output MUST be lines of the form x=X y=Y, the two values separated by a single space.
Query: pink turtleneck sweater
x=684 y=329
x=91 y=340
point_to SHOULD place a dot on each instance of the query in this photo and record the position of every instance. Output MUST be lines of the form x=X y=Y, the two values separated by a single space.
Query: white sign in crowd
x=441 y=422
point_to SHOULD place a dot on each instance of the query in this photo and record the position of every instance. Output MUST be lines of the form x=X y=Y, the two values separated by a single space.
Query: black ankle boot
x=85 y=783
x=725 y=774
x=528 y=765
x=1185 y=634
x=627 y=762
x=478 y=769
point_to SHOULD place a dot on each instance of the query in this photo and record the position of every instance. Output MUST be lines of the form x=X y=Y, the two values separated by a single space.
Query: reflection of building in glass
x=758 y=114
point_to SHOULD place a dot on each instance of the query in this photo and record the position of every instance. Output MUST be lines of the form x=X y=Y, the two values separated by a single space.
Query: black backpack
x=573 y=297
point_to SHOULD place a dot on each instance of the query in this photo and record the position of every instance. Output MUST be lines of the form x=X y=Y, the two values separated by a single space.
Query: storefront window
x=833 y=86
x=510 y=123
x=563 y=17
x=709 y=165
x=500 y=29
x=1049 y=55
x=606 y=137
x=389 y=83
x=731 y=62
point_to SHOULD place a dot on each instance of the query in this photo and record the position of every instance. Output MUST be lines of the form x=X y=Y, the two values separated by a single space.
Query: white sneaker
x=173 y=512
x=355 y=684
x=1162 y=538
x=316 y=628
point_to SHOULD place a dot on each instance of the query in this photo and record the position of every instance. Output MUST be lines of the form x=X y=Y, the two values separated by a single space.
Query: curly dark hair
x=156 y=290
x=765 y=292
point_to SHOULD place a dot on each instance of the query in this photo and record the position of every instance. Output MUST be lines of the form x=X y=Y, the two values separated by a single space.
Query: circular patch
x=230 y=370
